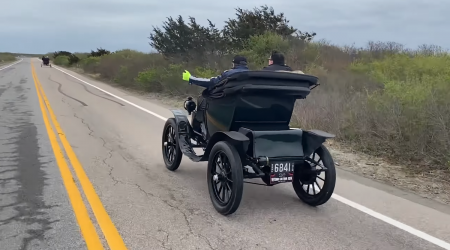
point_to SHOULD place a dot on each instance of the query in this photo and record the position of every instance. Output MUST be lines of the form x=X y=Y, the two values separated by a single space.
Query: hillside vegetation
x=383 y=99
x=6 y=57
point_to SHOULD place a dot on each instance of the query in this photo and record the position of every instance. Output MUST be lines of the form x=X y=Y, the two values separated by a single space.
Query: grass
x=7 y=57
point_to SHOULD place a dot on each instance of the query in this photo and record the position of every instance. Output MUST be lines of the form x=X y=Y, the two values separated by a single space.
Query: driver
x=239 y=65
x=276 y=63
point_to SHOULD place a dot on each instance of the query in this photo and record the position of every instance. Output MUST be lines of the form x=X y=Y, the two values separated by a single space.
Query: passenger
x=276 y=63
x=239 y=65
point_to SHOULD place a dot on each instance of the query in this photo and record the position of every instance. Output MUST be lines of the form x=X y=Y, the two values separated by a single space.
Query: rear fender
x=313 y=139
x=183 y=125
x=238 y=140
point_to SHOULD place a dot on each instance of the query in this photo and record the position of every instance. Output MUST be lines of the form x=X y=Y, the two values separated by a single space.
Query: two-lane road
x=81 y=166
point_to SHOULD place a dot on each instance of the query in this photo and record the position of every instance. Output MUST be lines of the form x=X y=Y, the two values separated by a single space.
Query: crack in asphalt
x=87 y=125
x=124 y=158
x=165 y=241
x=87 y=90
x=162 y=243
x=186 y=215
x=60 y=91
x=111 y=168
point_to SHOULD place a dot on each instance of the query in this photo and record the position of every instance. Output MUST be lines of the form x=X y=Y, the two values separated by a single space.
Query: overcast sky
x=40 y=26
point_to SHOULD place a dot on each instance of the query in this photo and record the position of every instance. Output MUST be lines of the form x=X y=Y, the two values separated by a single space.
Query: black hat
x=277 y=58
x=240 y=60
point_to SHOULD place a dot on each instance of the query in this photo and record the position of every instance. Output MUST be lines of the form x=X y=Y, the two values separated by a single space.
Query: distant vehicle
x=46 y=62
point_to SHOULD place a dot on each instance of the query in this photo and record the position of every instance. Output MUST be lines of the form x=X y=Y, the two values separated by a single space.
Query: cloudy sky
x=40 y=26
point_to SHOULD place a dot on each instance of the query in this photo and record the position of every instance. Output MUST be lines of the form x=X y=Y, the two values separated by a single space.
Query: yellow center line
x=84 y=221
x=108 y=228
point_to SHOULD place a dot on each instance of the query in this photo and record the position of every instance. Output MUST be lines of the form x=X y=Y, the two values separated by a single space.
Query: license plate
x=281 y=172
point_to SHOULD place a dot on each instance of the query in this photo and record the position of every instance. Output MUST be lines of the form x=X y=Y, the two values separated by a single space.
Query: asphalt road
x=76 y=162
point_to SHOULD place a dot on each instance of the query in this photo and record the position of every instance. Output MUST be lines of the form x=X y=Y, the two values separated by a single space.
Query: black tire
x=329 y=182
x=172 y=154
x=233 y=166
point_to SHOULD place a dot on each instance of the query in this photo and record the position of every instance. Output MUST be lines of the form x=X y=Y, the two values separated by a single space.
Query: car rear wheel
x=314 y=181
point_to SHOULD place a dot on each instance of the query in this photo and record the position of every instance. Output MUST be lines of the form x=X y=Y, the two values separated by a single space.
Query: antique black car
x=46 y=62
x=242 y=125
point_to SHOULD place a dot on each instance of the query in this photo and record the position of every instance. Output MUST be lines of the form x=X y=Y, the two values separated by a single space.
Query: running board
x=187 y=149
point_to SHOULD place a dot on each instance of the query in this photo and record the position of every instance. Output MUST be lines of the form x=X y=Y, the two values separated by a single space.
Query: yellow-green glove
x=186 y=75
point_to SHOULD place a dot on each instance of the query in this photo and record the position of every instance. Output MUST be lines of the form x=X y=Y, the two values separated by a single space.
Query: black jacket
x=275 y=67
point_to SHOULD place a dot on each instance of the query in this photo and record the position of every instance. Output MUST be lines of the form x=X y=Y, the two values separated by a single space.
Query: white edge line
x=11 y=64
x=393 y=222
x=350 y=203
x=120 y=98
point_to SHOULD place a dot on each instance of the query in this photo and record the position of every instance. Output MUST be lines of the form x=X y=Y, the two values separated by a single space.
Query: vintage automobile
x=242 y=125
x=46 y=62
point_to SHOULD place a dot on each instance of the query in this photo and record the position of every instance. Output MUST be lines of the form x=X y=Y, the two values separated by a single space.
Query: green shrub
x=123 y=66
x=258 y=48
x=169 y=80
x=414 y=103
x=90 y=64
x=204 y=72
x=80 y=55
x=150 y=80
x=62 y=60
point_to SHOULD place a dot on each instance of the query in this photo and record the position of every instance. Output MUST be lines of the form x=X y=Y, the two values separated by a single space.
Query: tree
x=186 y=41
x=257 y=22
x=304 y=36
x=192 y=41
x=61 y=53
x=73 y=59
x=99 y=52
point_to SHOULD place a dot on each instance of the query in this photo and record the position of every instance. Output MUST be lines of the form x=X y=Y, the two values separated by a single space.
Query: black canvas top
x=275 y=82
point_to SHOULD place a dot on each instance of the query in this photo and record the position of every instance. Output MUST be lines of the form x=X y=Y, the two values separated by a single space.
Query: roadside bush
x=122 y=67
x=169 y=80
x=81 y=56
x=159 y=80
x=413 y=107
x=258 y=48
x=72 y=58
x=90 y=64
x=62 y=61
x=7 y=57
